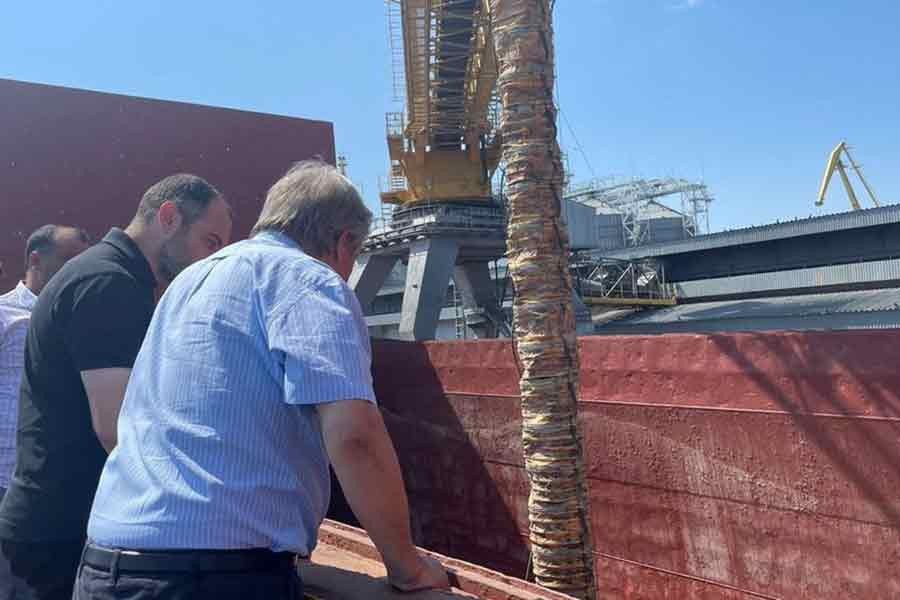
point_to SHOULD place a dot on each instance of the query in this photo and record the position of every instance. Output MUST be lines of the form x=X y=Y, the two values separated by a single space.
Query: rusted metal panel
x=467 y=503
x=476 y=367
x=627 y=579
x=725 y=466
x=84 y=158
x=346 y=560
x=850 y=373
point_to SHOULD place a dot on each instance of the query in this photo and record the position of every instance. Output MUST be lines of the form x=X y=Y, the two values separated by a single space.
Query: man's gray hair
x=314 y=204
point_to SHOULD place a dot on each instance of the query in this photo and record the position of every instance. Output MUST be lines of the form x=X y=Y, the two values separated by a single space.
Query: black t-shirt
x=93 y=314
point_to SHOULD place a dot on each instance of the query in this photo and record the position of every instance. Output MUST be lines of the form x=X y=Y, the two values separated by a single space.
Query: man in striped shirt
x=13 y=328
x=46 y=250
x=254 y=373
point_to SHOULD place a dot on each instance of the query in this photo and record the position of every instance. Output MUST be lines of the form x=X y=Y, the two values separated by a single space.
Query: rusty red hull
x=724 y=466
x=84 y=158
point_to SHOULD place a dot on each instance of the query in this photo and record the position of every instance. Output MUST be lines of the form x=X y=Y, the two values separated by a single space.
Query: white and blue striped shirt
x=219 y=443
x=15 y=311
x=13 y=331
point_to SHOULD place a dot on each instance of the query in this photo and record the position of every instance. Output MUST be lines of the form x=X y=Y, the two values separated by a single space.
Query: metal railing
x=622 y=280
x=404 y=221
x=394 y=16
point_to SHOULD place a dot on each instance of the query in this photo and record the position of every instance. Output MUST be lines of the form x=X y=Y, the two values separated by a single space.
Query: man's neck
x=31 y=283
x=149 y=248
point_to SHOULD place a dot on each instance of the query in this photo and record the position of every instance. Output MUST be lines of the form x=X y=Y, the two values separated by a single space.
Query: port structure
x=439 y=215
x=635 y=198
x=438 y=242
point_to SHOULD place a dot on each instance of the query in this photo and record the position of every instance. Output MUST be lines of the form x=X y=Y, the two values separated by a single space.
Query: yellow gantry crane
x=836 y=163
x=444 y=148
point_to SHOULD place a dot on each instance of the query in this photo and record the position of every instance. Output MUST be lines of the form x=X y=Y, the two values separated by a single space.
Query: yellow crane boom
x=835 y=163
x=445 y=148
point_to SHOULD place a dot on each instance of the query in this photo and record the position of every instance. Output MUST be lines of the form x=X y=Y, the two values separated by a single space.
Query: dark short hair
x=43 y=240
x=191 y=194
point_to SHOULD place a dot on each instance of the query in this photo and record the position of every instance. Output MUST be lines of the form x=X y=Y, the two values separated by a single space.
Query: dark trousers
x=47 y=569
x=119 y=584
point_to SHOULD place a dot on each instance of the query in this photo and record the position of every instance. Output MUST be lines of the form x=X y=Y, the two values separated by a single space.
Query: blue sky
x=750 y=96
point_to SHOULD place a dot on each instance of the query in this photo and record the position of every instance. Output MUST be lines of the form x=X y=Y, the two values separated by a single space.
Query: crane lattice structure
x=443 y=146
x=633 y=197
x=443 y=220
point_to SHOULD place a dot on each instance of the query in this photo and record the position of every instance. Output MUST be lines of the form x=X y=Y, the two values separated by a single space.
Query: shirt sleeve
x=12 y=341
x=325 y=344
x=12 y=362
x=109 y=318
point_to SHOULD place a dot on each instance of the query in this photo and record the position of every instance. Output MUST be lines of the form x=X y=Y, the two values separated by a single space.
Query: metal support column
x=431 y=262
x=369 y=274
x=482 y=310
x=583 y=323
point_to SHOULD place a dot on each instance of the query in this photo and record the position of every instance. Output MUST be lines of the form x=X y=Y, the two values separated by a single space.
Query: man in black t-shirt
x=84 y=335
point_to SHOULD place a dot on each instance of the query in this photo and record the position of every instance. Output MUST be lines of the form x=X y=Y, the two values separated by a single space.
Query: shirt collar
x=137 y=262
x=282 y=239
x=26 y=298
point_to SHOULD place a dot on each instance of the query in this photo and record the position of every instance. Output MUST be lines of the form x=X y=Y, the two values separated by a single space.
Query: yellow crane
x=836 y=163
x=444 y=148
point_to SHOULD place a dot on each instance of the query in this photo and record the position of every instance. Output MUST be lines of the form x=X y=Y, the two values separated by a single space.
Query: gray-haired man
x=254 y=373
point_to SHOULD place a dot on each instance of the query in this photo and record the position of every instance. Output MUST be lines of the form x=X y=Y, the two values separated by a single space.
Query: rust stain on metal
x=725 y=466
x=351 y=546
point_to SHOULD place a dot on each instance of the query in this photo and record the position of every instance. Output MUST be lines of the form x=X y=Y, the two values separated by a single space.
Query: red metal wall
x=85 y=158
x=720 y=466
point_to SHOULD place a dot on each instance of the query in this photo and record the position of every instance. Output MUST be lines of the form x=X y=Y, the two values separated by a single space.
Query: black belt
x=179 y=561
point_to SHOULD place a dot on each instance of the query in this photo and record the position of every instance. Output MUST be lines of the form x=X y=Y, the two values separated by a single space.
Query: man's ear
x=169 y=217
x=34 y=259
x=348 y=244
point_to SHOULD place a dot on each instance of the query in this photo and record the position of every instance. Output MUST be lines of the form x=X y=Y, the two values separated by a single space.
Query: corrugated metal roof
x=752 y=235
x=875 y=271
x=867 y=309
